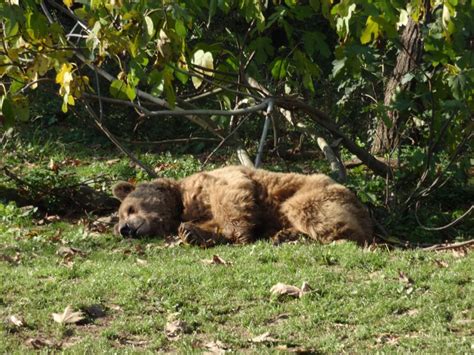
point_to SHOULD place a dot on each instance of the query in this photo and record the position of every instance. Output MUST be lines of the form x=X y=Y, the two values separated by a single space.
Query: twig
x=221 y=143
x=436 y=247
x=115 y=141
x=449 y=225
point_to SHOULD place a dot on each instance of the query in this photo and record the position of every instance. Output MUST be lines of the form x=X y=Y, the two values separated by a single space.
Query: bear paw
x=191 y=234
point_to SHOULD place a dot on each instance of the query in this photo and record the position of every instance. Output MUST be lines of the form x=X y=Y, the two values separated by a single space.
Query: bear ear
x=122 y=189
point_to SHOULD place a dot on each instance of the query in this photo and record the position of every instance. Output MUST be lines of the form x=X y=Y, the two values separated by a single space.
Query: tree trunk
x=387 y=137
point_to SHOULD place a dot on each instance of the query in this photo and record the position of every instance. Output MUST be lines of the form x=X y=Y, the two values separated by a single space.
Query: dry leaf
x=53 y=165
x=460 y=252
x=441 y=263
x=404 y=278
x=68 y=316
x=216 y=260
x=387 y=339
x=69 y=251
x=141 y=262
x=412 y=312
x=264 y=338
x=116 y=307
x=112 y=161
x=17 y=321
x=216 y=347
x=38 y=343
x=53 y=218
x=174 y=329
x=9 y=259
x=281 y=289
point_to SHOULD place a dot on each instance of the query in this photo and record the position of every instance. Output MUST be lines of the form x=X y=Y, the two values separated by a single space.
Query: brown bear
x=237 y=204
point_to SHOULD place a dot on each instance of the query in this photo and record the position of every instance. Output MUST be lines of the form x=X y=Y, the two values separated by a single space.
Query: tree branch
x=324 y=120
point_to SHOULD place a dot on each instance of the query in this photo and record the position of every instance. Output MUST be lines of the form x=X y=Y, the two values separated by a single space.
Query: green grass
x=358 y=303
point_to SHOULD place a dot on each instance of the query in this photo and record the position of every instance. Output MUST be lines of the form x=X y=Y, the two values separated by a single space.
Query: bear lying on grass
x=237 y=204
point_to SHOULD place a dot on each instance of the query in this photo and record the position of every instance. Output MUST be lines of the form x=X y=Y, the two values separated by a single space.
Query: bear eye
x=131 y=210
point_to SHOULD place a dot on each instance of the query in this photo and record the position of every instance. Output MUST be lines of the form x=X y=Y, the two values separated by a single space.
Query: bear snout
x=127 y=231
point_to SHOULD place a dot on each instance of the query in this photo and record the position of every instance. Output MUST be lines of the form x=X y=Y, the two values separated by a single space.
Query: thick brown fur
x=236 y=204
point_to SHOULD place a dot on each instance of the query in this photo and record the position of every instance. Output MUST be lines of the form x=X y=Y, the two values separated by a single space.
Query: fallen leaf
x=71 y=162
x=141 y=262
x=281 y=289
x=69 y=251
x=459 y=252
x=116 y=307
x=17 y=321
x=278 y=318
x=174 y=329
x=264 y=338
x=441 y=263
x=216 y=347
x=53 y=166
x=387 y=339
x=53 y=218
x=404 y=278
x=412 y=312
x=9 y=259
x=112 y=161
x=305 y=288
x=68 y=316
x=134 y=342
x=38 y=343
x=216 y=260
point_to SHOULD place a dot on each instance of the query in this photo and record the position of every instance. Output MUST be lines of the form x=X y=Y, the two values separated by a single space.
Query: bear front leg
x=204 y=235
x=235 y=210
x=285 y=236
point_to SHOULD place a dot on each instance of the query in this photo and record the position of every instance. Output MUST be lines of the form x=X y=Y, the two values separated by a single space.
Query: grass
x=358 y=303
x=131 y=291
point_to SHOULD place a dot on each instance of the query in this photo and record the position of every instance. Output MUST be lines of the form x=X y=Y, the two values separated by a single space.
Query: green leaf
x=338 y=65
x=120 y=90
x=7 y=117
x=371 y=28
x=279 y=69
x=308 y=82
x=157 y=83
x=150 y=28
x=180 y=28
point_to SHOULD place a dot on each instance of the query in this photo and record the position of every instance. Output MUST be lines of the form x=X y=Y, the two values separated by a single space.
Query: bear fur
x=237 y=204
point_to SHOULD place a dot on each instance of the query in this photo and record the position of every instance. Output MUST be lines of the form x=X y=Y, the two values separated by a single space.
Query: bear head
x=150 y=209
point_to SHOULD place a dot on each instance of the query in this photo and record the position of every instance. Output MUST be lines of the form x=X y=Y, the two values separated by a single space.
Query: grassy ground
x=152 y=295
x=132 y=290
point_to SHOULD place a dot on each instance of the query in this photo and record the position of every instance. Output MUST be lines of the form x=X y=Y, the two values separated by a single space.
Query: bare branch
x=449 y=225
x=115 y=141
x=259 y=107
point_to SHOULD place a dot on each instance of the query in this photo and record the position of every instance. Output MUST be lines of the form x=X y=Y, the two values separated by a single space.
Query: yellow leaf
x=371 y=28
x=202 y=60
x=68 y=3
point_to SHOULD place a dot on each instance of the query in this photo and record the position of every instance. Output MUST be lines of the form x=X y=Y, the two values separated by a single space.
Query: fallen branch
x=451 y=246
